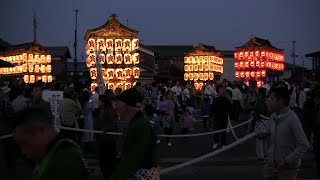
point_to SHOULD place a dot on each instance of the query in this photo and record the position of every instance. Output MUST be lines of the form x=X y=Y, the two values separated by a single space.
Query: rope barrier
x=6 y=136
x=209 y=155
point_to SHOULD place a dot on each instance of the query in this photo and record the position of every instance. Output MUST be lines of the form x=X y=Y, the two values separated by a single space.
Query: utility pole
x=75 y=44
x=294 y=55
x=34 y=27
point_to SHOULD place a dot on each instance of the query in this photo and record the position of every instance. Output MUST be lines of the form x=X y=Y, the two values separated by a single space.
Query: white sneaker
x=215 y=146
x=169 y=144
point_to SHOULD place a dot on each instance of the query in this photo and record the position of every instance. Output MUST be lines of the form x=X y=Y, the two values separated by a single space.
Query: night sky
x=225 y=24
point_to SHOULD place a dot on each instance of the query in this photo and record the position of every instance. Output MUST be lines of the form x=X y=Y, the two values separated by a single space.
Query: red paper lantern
x=257 y=64
x=247 y=74
x=257 y=54
x=237 y=74
x=252 y=64
x=241 y=65
x=246 y=64
x=236 y=56
x=186 y=76
x=258 y=74
x=195 y=67
x=263 y=73
x=191 y=76
x=236 y=65
x=252 y=74
x=242 y=74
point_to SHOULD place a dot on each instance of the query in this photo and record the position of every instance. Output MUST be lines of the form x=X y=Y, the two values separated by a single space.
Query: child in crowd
x=187 y=121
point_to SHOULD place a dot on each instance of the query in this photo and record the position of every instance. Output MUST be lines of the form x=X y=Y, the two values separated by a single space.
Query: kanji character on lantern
x=258 y=74
x=24 y=58
x=110 y=73
x=48 y=59
x=136 y=72
x=119 y=73
x=37 y=68
x=109 y=43
x=110 y=59
x=262 y=64
x=93 y=73
x=101 y=45
x=205 y=60
x=92 y=45
x=252 y=74
x=195 y=67
x=136 y=58
x=26 y=78
x=186 y=60
x=205 y=67
x=251 y=53
x=257 y=54
x=186 y=68
x=111 y=86
x=211 y=67
x=30 y=57
x=128 y=72
x=93 y=87
x=127 y=59
x=246 y=53
x=135 y=44
x=44 y=78
x=31 y=68
x=191 y=76
x=205 y=76
x=118 y=45
x=186 y=76
x=246 y=64
x=211 y=59
x=120 y=85
x=201 y=76
x=126 y=45
x=48 y=69
x=128 y=85
x=236 y=65
x=237 y=74
x=36 y=59
x=247 y=74
x=263 y=73
x=200 y=67
x=191 y=68
x=211 y=76
x=32 y=79
x=43 y=69
x=102 y=58
x=195 y=76
x=118 y=59
x=24 y=67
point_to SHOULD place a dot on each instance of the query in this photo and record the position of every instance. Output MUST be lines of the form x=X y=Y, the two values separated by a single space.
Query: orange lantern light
x=257 y=54
x=93 y=87
x=110 y=73
x=110 y=59
x=251 y=53
x=195 y=76
x=211 y=67
x=246 y=64
x=252 y=74
x=186 y=68
x=136 y=72
x=48 y=69
x=32 y=79
x=262 y=64
x=263 y=73
x=205 y=76
x=24 y=57
x=93 y=73
x=26 y=78
x=211 y=59
x=263 y=53
x=31 y=68
x=236 y=56
x=109 y=44
x=91 y=45
x=44 y=78
x=242 y=74
x=186 y=76
x=241 y=64
x=252 y=64
x=136 y=58
x=119 y=73
x=119 y=85
x=211 y=76
x=126 y=45
x=48 y=59
x=196 y=85
x=36 y=58
x=43 y=68
x=127 y=85
x=30 y=57
x=237 y=74
x=258 y=74
x=118 y=45
x=247 y=83
x=247 y=74
x=205 y=67
x=186 y=60
x=195 y=67
x=135 y=44
x=190 y=67
x=118 y=59
x=37 y=68
x=101 y=45
x=205 y=60
x=191 y=76
x=102 y=58
x=200 y=67
x=201 y=76
x=257 y=64
x=127 y=72
x=236 y=65
x=127 y=59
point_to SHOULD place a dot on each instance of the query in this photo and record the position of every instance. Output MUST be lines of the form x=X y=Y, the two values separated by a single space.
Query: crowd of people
x=152 y=109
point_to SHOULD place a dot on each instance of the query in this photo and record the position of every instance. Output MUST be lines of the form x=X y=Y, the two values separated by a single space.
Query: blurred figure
x=168 y=120
x=152 y=117
x=118 y=91
x=308 y=114
x=221 y=109
x=187 y=121
x=54 y=158
x=38 y=103
x=298 y=98
x=70 y=109
x=6 y=127
x=21 y=102
x=205 y=107
x=288 y=141
x=106 y=143
x=177 y=89
x=250 y=99
x=87 y=109
x=142 y=90
x=236 y=98
x=316 y=129
x=139 y=153
x=95 y=102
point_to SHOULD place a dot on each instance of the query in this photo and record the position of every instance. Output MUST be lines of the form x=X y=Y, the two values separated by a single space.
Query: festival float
x=201 y=64
x=112 y=55
x=258 y=61
x=31 y=63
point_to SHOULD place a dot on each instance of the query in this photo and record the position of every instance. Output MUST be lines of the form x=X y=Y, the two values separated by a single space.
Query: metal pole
x=75 y=44
x=34 y=27
x=294 y=55
x=302 y=68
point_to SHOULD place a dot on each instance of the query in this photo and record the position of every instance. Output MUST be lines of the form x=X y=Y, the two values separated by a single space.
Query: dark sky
x=224 y=24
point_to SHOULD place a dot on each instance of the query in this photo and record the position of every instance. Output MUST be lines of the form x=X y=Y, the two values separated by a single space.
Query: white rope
x=214 y=153
x=232 y=130
x=6 y=136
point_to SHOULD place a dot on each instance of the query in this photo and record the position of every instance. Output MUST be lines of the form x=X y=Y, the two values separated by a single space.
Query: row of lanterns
x=210 y=68
x=28 y=58
x=198 y=76
x=116 y=73
x=122 y=85
x=113 y=59
x=259 y=83
x=244 y=55
x=33 y=78
x=110 y=45
x=250 y=74
x=27 y=68
x=259 y=64
x=203 y=60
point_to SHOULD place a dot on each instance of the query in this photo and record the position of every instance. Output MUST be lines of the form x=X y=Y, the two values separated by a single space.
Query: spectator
x=315 y=129
x=139 y=152
x=54 y=158
x=38 y=103
x=288 y=141
x=21 y=102
x=250 y=99
x=70 y=109
x=298 y=98
x=236 y=98
x=221 y=109
x=95 y=102
x=87 y=108
x=206 y=111
x=187 y=121
x=6 y=127
x=168 y=120
x=185 y=94
x=142 y=90
x=106 y=143
x=153 y=118
x=177 y=89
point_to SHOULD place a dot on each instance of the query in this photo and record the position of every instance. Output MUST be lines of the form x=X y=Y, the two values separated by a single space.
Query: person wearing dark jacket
x=54 y=158
x=139 y=154
x=315 y=129
x=221 y=109
x=107 y=143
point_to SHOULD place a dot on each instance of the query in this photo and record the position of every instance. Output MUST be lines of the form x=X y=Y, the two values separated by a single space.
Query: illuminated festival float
x=31 y=63
x=112 y=55
x=201 y=64
x=259 y=61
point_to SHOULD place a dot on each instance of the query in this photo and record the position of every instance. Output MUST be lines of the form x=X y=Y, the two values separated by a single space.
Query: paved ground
x=239 y=162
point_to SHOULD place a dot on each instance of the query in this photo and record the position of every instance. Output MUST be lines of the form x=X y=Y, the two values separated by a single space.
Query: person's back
x=69 y=110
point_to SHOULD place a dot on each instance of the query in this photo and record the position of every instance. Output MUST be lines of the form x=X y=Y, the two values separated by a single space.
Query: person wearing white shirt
x=210 y=91
x=177 y=89
x=266 y=86
x=298 y=98
x=95 y=98
x=20 y=103
x=185 y=94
